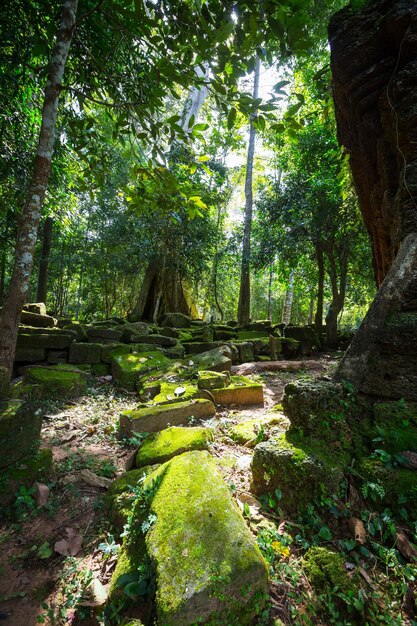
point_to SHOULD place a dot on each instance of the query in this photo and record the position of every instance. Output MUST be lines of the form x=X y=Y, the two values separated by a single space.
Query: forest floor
x=40 y=585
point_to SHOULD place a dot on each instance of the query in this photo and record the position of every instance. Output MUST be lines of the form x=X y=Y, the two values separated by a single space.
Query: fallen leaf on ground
x=405 y=546
x=71 y=545
x=357 y=529
x=95 y=481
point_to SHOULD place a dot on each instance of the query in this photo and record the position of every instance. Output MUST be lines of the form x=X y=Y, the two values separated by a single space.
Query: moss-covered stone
x=110 y=351
x=54 y=339
x=156 y=418
x=247 y=431
x=35 y=467
x=170 y=392
x=246 y=351
x=164 y=445
x=100 y=369
x=302 y=474
x=326 y=571
x=213 y=380
x=204 y=557
x=20 y=427
x=244 y=335
x=391 y=487
x=217 y=360
x=79 y=329
x=85 y=353
x=120 y=495
x=395 y=426
x=289 y=347
x=241 y=392
x=128 y=368
x=55 y=382
x=29 y=355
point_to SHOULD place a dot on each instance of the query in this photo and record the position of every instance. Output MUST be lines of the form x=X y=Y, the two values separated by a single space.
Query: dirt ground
x=40 y=585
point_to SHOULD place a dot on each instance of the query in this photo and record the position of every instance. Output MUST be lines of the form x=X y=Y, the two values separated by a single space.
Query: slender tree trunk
x=318 y=321
x=195 y=99
x=244 y=293
x=44 y=262
x=216 y=262
x=338 y=296
x=269 y=307
x=31 y=211
x=289 y=296
x=311 y=310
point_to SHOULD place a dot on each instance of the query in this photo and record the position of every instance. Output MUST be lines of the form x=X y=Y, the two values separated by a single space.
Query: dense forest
x=208 y=292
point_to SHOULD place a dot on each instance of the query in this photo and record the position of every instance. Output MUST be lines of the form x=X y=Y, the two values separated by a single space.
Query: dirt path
x=83 y=435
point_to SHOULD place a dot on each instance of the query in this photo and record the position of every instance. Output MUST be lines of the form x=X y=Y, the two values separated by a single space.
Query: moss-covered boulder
x=85 y=353
x=217 y=360
x=213 y=380
x=112 y=350
x=395 y=426
x=246 y=351
x=245 y=335
x=207 y=566
x=25 y=472
x=80 y=330
x=155 y=418
x=164 y=445
x=165 y=392
x=247 y=432
x=240 y=392
x=20 y=427
x=302 y=474
x=175 y=320
x=128 y=368
x=326 y=571
x=54 y=382
x=387 y=486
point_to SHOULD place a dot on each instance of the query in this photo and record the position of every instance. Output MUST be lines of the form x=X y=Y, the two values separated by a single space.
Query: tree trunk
x=311 y=310
x=216 y=263
x=31 y=212
x=195 y=100
x=269 y=307
x=44 y=262
x=150 y=274
x=244 y=293
x=338 y=296
x=318 y=321
x=289 y=296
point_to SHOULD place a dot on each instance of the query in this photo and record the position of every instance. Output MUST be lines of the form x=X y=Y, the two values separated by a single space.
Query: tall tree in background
x=31 y=212
x=243 y=313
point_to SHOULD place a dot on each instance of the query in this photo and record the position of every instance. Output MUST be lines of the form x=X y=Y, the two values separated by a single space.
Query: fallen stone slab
x=164 y=445
x=217 y=360
x=55 y=340
x=155 y=418
x=277 y=366
x=112 y=350
x=175 y=320
x=240 y=392
x=54 y=382
x=206 y=565
x=246 y=432
x=104 y=335
x=128 y=368
x=158 y=340
x=40 y=321
x=20 y=427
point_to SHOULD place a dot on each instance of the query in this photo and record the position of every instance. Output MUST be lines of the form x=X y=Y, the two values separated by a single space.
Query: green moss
x=155 y=418
x=213 y=380
x=326 y=571
x=162 y=446
x=244 y=335
x=20 y=427
x=185 y=336
x=395 y=426
x=100 y=369
x=249 y=429
x=54 y=382
x=200 y=546
x=128 y=368
x=399 y=485
x=167 y=392
x=120 y=494
x=241 y=391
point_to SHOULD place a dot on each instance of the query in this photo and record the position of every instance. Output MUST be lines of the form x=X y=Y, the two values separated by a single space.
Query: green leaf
x=231 y=118
x=203 y=159
x=279 y=86
x=200 y=126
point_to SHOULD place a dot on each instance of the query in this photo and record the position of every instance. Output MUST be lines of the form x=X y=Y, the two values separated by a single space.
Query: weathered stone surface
x=128 y=368
x=246 y=432
x=104 y=335
x=57 y=356
x=29 y=355
x=159 y=340
x=175 y=320
x=35 y=307
x=85 y=353
x=79 y=329
x=54 y=340
x=326 y=570
x=300 y=475
x=246 y=353
x=241 y=392
x=112 y=350
x=213 y=380
x=20 y=427
x=164 y=445
x=197 y=347
x=217 y=360
x=40 y=321
x=207 y=565
x=155 y=418
x=245 y=335
x=165 y=392
x=55 y=382
x=375 y=99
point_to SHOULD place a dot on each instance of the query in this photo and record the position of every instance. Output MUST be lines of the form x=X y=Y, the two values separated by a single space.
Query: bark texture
x=44 y=260
x=374 y=65
x=31 y=212
x=243 y=313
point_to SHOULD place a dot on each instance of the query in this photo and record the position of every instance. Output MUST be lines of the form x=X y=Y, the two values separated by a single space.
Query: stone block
x=20 y=427
x=85 y=353
x=155 y=418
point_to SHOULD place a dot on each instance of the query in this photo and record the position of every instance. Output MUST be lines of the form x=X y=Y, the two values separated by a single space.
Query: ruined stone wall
x=374 y=65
